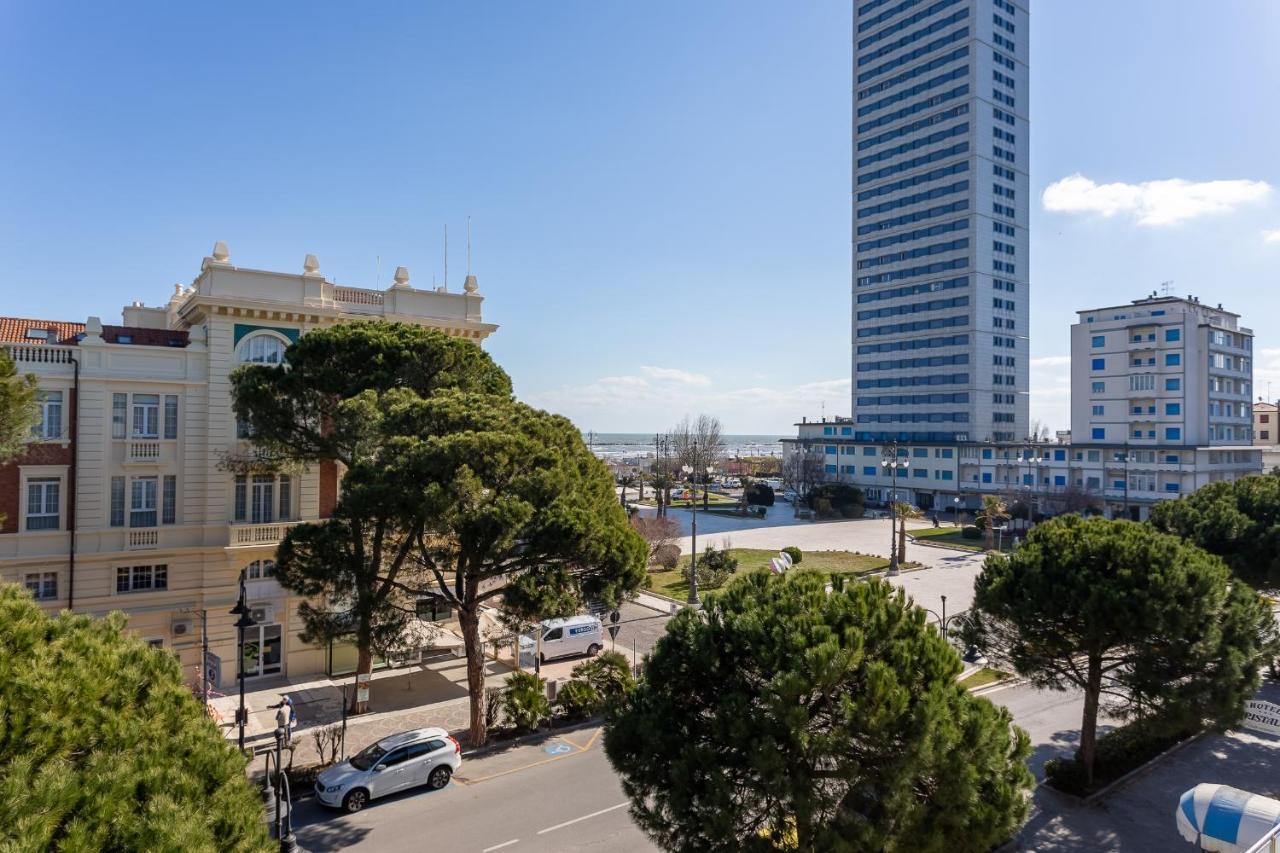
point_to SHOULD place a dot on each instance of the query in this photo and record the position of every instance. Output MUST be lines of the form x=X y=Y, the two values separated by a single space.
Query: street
x=557 y=794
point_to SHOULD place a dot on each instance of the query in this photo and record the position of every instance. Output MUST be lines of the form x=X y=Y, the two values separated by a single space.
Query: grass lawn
x=675 y=584
x=715 y=499
x=982 y=677
x=950 y=536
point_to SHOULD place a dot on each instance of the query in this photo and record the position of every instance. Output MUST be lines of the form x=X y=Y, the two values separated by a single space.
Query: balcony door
x=263 y=650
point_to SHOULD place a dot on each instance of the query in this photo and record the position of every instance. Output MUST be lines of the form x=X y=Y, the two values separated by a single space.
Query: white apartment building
x=1160 y=397
x=1266 y=433
x=121 y=501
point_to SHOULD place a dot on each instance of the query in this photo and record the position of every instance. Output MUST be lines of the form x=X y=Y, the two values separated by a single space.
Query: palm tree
x=626 y=480
x=993 y=509
x=903 y=511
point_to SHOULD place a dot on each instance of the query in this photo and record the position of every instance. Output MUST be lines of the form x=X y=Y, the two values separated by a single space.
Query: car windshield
x=368 y=757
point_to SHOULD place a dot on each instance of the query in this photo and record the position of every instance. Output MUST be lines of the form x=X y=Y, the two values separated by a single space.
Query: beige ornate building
x=120 y=502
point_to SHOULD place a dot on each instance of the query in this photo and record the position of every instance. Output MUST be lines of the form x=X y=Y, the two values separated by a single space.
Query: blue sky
x=659 y=191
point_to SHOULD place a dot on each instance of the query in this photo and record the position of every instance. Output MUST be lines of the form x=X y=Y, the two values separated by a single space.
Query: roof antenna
x=1166 y=286
x=446 y=258
x=468 y=245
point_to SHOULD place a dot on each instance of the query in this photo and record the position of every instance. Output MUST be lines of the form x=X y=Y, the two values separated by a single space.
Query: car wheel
x=356 y=800
x=439 y=777
x=593 y=650
x=542 y=658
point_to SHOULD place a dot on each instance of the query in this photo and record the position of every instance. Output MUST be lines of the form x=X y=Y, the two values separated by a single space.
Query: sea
x=626 y=446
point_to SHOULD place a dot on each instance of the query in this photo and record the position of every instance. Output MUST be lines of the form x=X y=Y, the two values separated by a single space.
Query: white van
x=562 y=638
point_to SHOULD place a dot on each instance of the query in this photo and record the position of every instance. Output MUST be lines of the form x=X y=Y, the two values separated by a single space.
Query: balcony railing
x=144 y=451
x=142 y=539
x=260 y=534
x=39 y=353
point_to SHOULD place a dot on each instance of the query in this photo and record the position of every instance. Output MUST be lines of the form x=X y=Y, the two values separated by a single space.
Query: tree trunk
x=469 y=618
x=706 y=494
x=640 y=488
x=989 y=533
x=1089 y=721
x=364 y=666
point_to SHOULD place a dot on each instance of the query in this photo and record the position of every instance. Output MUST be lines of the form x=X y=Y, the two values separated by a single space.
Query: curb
x=925 y=543
x=1142 y=768
x=493 y=746
x=997 y=686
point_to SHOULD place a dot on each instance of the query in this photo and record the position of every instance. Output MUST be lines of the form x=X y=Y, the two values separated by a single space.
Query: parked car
x=395 y=763
x=562 y=638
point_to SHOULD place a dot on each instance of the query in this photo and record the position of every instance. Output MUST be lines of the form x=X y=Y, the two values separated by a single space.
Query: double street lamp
x=243 y=622
x=892 y=462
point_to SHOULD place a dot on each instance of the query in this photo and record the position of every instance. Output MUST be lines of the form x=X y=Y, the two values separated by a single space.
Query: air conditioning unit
x=180 y=627
x=262 y=613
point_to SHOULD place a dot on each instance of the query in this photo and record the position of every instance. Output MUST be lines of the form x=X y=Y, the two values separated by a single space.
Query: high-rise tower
x=940 y=212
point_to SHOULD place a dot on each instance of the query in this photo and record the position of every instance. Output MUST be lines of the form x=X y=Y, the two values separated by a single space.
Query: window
x=1099 y=433
x=119 y=411
x=1174 y=384
x=1172 y=335
x=262 y=498
x=986 y=476
x=1099 y=340
x=49 y=404
x=142 y=502
x=919 y=472
x=169 y=500
x=42 y=503
x=828 y=430
x=259 y=569
x=146 y=416
x=1173 y=434
x=868 y=451
x=141 y=578
x=554 y=634
x=1099 y=387
x=43 y=586
x=1172 y=359
x=1098 y=364
x=1098 y=410
x=868 y=470
x=170 y=416
x=117 y=502
x=920 y=452
x=1173 y=408
x=262 y=349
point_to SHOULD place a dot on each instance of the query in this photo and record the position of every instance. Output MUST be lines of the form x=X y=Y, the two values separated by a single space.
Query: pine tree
x=785 y=717
x=103 y=747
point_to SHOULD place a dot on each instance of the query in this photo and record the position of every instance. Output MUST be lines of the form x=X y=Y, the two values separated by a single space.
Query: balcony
x=259 y=534
x=143 y=451
x=142 y=539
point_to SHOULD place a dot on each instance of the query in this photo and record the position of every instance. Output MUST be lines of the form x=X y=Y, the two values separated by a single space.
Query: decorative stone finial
x=470 y=284
x=311 y=265
x=220 y=253
x=401 y=277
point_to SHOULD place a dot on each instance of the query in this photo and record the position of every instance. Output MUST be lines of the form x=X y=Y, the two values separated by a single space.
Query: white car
x=395 y=763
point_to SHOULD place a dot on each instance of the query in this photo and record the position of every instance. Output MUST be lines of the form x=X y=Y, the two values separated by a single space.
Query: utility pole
x=892 y=463
x=204 y=657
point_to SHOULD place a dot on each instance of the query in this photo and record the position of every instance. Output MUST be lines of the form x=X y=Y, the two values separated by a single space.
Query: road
x=555 y=795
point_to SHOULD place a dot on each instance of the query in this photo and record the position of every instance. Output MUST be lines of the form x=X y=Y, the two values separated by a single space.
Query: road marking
x=580 y=819
x=499 y=846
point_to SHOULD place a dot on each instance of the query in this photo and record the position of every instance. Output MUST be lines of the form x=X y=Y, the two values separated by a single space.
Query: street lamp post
x=693 y=511
x=944 y=617
x=955 y=514
x=892 y=463
x=244 y=621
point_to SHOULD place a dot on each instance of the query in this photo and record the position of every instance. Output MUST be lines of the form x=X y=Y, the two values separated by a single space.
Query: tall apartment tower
x=940 y=213
x=1162 y=372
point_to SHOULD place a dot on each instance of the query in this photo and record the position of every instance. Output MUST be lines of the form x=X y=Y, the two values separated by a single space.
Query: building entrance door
x=263 y=651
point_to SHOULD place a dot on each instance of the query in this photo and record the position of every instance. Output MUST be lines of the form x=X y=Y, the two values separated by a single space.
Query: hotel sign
x=1262 y=716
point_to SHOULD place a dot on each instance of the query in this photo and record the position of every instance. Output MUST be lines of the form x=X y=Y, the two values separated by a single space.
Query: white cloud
x=1051 y=391
x=1266 y=373
x=1165 y=202
x=1272 y=236
x=673 y=374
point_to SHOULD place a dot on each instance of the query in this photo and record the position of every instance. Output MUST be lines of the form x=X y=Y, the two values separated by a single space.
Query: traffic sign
x=613 y=631
x=614 y=617
x=213 y=669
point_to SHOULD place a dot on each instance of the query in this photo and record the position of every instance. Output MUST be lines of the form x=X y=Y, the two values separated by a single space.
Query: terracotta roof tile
x=13 y=330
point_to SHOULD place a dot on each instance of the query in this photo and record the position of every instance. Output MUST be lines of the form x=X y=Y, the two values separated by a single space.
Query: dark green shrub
x=578 y=699
x=1118 y=752
x=759 y=494
x=841 y=500
x=525 y=704
x=794 y=553
x=715 y=567
x=971 y=532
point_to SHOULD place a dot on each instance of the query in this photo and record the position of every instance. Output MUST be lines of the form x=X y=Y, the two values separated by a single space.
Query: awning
x=1219 y=817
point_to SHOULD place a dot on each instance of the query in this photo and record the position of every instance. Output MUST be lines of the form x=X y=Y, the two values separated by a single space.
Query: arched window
x=262 y=349
x=259 y=569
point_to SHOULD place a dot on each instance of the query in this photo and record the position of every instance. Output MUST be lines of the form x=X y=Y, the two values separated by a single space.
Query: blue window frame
x=1059 y=479
x=920 y=452
x=868 y=451
x=1098 y=410
x=920 y=472
x=1099 y=387
x=1099 y=433
x=831 y=469
x=831 y=450
x=1099 y=340
x=1172 y=487
x=846 y=430
x=1027 y=479
x=1059 y=456
x=1173 y=408
x=1173 y=433
x=1173 y=384
x=868 y=470
x=986 y=476
x=1099 y=364
x=986 y=453
x=849 y=469
x=1172 y=359
x=946 y=475
x=1173 y=334
x=828 y=430
x=1117 y=484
